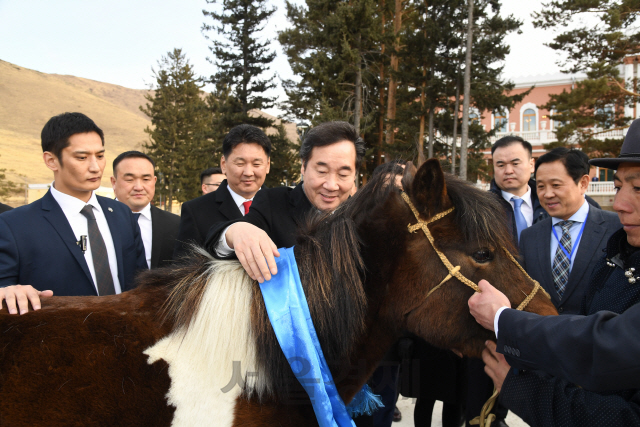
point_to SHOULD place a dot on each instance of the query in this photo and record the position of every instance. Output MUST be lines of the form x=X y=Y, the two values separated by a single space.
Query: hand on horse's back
x=484 y=304
x=255 y=250
x=19 y=296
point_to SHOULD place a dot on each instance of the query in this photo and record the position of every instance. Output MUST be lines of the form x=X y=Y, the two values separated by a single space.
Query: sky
x=119 y=41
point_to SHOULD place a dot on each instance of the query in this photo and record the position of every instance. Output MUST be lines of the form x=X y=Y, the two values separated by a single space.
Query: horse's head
x=472 y=236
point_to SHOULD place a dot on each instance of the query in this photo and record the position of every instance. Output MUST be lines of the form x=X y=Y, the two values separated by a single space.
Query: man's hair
x=56 y=133
x=131 y=155
x=245 y=134
x=208 y=172
x=575 y=161
x=329 y=133
x=505 y=141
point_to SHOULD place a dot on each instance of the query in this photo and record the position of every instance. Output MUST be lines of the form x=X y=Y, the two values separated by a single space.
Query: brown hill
x=29 y=98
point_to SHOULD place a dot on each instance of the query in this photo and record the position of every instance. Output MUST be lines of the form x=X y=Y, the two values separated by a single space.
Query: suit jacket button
x=561 y=309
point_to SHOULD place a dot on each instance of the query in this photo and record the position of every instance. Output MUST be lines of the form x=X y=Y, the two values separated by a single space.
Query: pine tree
x=285 y=164
x=596 y=45
x=179 y=142
x=241 y=60
x=7 y=187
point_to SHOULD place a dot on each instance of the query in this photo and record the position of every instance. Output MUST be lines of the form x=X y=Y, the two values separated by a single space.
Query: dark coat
x=538 y=212
x=164 y=231
x=4 y=208
x=542 y=400
x=38 y=248
x=535 y=257
x=200 y=214
x=278 y=211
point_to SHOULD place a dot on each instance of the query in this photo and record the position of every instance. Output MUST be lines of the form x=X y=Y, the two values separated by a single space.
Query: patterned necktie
x=521 y=223
x=246 y=205
x=562 y=262
x=99 y=254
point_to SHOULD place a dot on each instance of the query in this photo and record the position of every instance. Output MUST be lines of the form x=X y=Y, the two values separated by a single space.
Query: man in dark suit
x=330 y=153
x=562 y=178
x=134 y=184
x=70 y=242
x=245 y=161
x=4 y=208
x=599 y=350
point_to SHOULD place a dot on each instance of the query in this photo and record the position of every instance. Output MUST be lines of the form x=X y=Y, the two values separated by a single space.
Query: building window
x=473 y=118
x=529 y=120
x=500 y=122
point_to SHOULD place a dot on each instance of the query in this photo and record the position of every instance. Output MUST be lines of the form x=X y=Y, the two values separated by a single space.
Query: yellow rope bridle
x=485 y=417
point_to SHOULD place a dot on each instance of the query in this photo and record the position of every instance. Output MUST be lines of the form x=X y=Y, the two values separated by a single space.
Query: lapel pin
x=110 y=210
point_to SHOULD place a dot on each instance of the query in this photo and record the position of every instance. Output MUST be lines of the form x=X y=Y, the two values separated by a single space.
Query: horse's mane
x=328 y=252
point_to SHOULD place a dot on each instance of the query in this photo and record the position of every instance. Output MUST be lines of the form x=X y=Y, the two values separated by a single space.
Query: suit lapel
x=156 y=232
x=114 y=227
x=52 y=212
x=589 y=242
x=545 y=261
x=227 y=206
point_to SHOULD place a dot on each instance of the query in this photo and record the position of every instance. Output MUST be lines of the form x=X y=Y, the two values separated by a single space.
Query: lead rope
x=485 y=418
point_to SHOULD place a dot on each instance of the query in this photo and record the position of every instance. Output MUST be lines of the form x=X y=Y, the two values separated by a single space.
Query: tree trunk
x=393 y=84
x=455 y=124
x=420 y=143
x=358 y=98
x=467 y=96
x=431 y=115
x=382 y=87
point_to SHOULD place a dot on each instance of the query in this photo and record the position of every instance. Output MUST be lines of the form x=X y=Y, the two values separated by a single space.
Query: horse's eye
x=483 y=255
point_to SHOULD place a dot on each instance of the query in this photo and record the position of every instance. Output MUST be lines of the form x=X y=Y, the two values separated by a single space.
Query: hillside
x=29 y=98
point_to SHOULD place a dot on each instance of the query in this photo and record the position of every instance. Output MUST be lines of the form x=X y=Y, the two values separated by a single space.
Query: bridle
x=455 y=271
x=485 y=418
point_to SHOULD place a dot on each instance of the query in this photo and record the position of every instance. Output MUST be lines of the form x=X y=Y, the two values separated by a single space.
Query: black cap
x=630 y=152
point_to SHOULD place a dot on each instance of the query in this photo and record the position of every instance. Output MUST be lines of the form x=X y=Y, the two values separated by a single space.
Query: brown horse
x=192 y=345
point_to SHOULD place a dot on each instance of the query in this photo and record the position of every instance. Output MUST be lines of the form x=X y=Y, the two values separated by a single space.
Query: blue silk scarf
x=288 y=311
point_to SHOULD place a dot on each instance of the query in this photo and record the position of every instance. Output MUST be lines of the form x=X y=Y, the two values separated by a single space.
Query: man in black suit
x=4 y=208
x=599 y=351
x=562 y=178
x=70 y=242
x=245 y=161
x=134 y=184
x=331 y=154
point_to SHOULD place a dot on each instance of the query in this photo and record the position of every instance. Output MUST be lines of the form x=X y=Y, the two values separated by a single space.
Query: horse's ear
x=429 y=190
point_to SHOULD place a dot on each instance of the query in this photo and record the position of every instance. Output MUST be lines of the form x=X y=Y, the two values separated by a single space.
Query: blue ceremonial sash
x=288 y=311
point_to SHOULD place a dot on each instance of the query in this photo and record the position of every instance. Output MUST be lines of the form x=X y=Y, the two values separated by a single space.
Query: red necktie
x=246 y=205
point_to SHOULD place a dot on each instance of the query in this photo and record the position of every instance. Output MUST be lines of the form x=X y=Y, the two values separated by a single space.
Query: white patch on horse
x=209 y=361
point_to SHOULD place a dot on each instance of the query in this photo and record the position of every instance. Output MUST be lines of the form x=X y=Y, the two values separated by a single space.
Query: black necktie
x=99 y=254
x=136 y=215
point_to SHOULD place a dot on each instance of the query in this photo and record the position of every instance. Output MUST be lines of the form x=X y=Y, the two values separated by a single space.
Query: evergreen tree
x=241 y=60
x=595 y=45
x=285 y=163
x=7 y=187
x=179 y=142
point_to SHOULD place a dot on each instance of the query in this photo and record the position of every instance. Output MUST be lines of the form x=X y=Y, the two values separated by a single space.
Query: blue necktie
x=521 y=223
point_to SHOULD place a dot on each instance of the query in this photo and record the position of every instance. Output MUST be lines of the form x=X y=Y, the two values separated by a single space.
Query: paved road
x=406 y=407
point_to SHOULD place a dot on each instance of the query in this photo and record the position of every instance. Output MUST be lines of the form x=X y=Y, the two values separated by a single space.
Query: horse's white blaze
x=216 y=352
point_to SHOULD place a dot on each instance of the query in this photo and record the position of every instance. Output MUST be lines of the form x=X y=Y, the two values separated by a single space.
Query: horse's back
x=80 y=359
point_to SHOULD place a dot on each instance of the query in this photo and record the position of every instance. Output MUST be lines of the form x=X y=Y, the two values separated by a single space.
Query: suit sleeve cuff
x=497 y=318
x=222 y=248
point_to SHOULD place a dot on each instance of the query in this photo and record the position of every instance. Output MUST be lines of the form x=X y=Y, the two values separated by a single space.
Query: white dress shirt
x=222 y=248
x=71 y=208
x=144 y=221
x=526 y=208
x=579 y=217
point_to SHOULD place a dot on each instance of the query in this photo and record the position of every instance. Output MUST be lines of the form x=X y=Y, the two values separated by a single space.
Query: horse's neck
x=367 y=355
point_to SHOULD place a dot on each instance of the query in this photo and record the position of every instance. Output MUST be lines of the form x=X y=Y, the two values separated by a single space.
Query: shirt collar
x=73 y=205
x=526 y=197
x=580 y=215
x=146 y=211
x=238 y=198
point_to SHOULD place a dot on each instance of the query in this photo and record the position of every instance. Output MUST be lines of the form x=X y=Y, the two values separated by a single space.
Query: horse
x=192 y=343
